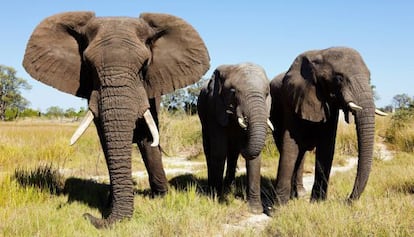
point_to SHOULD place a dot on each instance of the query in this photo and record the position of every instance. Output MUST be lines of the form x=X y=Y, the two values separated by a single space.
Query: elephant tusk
x=269 y=123
x=379 y=112
x=82 y=127
x=152 y=127
x=354 y=106
x=242 y=123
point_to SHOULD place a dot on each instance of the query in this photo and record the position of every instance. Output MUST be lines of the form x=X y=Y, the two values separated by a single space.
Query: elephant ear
x=179 y=56
x=302 y=90
x=216 y=102
x=53 y=52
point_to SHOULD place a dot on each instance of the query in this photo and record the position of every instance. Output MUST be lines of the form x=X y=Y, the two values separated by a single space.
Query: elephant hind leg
x=288 y=156
x=298 y=190
x=322 y=171
x=153 y=162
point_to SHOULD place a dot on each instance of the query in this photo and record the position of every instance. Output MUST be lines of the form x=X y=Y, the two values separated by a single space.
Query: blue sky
x=270 y=34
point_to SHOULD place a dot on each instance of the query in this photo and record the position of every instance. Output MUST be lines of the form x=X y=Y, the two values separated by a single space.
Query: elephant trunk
x=365 y=128
x=119 y=109
x=257 y=124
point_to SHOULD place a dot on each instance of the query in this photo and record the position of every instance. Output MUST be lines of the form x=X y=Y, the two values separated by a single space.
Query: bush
x=401 y=130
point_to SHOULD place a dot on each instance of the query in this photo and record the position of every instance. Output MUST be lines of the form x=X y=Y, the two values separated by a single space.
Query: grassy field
x=46 y=185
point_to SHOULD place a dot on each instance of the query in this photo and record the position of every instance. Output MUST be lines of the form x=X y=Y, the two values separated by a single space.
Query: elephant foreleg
x=253 y=185
x=232 y=158
x=215 y=170
x=215 y=148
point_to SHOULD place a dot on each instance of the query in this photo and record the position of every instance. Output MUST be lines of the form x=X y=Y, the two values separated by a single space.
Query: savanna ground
x=46 y=185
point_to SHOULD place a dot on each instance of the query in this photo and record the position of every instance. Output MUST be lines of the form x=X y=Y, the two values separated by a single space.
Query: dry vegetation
x=46 y=185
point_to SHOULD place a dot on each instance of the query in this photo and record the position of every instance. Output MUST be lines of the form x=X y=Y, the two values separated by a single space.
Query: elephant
x=234 y=108
x=305 y=105
x=122 y=66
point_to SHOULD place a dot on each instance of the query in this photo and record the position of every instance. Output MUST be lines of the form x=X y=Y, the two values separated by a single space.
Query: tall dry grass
x=400 y=130
x=46 y=186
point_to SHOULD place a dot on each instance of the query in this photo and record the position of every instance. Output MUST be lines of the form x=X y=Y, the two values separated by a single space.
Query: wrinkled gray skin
x=122 y=66
x=305 y=106
x=235 y=91
x=297 y=187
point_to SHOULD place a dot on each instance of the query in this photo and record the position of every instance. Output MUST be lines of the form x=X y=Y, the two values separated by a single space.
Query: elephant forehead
x=251 y=83
x=116 y=25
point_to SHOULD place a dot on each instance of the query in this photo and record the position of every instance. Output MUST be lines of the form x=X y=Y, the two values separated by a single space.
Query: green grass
x=45 y=187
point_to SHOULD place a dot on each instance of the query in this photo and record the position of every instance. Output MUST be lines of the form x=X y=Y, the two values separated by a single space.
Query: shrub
x=401 y=130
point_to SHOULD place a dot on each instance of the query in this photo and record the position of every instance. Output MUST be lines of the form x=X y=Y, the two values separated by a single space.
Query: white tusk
x=354 y=106
x=242 y=123
x=82 y=127
x=152 y=127
x=379 y=112
x=269 y=123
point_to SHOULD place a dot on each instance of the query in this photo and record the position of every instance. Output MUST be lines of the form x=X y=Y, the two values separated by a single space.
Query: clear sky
x=270 y=33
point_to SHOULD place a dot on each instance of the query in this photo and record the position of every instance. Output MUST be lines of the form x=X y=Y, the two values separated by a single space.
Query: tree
x=184 y=99
x=375 y=93
x=29 y=113
x=70 y=113
x=10 y=95
x=54 y=112
x=402 y=101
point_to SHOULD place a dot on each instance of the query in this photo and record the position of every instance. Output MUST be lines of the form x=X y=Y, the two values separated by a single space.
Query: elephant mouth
x=87 y=120
x=244 y=124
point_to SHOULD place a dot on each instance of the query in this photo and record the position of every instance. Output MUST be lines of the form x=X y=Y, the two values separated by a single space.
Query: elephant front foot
x=255 y=207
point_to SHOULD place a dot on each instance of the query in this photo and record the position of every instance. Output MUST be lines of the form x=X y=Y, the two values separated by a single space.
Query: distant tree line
x=10 y=96
x=53 y=112
x=13 y=105
x=183 y=100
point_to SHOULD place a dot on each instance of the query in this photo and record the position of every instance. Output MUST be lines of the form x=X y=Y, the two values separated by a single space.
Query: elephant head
x=117 y=63
x=243 y=96
x=322 y=81
x=233 y=109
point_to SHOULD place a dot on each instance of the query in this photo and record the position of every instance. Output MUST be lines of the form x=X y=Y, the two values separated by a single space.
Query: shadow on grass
x=96 y=195
x=405 y=187
x=238 y=188
x=44 y=178
x=47 y=179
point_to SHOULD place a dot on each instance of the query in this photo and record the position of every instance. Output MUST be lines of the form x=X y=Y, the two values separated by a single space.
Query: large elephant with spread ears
x=234 y=109
x=121 y=65
x=305 y=105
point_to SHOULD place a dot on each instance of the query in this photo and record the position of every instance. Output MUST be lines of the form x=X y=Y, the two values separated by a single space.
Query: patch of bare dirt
x=258 y=222
x=180 y=165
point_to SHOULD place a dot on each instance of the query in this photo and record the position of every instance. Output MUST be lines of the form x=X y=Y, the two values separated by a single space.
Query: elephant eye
x=339 y=78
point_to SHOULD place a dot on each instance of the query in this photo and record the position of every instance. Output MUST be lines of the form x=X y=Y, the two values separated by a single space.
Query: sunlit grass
x=385 y=208
x=181 y=134
x=46 y=186
x=400 y=130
